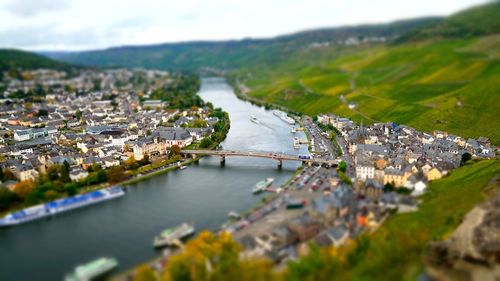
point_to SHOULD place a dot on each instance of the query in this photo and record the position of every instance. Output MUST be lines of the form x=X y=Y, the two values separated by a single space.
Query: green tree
x=7 y=198
x=205 y=142
x=65 y=172
x=342 y=166
x=115 y=174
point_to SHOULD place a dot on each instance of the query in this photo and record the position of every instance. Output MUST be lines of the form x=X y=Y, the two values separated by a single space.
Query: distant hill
x=477 y=21
x=235 y=53
x=15 y=59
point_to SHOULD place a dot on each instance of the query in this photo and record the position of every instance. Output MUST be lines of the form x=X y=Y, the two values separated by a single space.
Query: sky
x=95 y=24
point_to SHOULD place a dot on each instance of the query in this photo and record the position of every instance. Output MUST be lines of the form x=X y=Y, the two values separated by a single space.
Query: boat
x=92 y=270
x=278 y=113
x=296 y=143
x=254 y=119
x=287 y=119
x=61 y=205
x=293 y=130
x=182 y=167
x=172 y=236
x=233 y=215
x=261 y=185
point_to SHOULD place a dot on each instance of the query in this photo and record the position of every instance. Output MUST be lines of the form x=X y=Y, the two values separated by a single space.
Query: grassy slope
x=416 y=84
x=395 y=250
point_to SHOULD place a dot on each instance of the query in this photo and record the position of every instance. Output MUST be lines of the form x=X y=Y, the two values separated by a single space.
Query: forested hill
x=235 y=53
x=15 y=59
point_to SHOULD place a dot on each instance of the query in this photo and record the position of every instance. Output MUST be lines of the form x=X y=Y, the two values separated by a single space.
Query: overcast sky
x=95 y=24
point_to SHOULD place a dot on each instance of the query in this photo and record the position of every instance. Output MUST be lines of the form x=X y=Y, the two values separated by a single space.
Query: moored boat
x=182 y=167
x=92 y=270
x=234 y=215
x=61 y=205
x=171 y=236
x=261 y=185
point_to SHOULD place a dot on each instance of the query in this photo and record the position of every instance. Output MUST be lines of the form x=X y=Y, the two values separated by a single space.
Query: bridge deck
x=260 y=154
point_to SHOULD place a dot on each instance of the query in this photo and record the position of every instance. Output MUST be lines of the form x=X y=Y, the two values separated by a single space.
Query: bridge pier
x=280 y=163
x=222 y=160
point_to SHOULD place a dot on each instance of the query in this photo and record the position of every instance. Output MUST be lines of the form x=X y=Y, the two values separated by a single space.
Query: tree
x=204 y=256
x=7 y=197
x=71 y=188
x=2 y=177
x=53 y=172
x=78 y=114
x=342 y=166
x=174 y=150
x=65 y=172
x=130 y=163
x=42 y=112
x=23 y=188
x=205 y=142
x=145 y=273
x=115 y=174
x=465 y=157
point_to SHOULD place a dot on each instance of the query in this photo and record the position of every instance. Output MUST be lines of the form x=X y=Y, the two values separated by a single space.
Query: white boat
x=171 y=236
x=262 y=185
x=254 y=119
x=293 y=130
x=182 y=167
x=234 y=215
x=92 y=270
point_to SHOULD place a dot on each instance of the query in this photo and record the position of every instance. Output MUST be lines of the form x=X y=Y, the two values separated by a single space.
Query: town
x=66 y=133
x=62 y=133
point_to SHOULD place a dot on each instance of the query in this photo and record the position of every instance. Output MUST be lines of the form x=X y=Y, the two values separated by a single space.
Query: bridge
x=280 y=157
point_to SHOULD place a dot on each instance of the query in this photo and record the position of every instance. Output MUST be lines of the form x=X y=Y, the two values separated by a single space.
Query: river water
x=124 y=228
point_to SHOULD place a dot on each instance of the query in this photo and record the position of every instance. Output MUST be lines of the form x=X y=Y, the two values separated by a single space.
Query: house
x=175 y=136
x=419 y=188
x=110 y=161
x=25 y=172
x=434 y=174
x=365 y=170
x=335 y=236
x=154 y=104
x=78 y=174
x=395 y=176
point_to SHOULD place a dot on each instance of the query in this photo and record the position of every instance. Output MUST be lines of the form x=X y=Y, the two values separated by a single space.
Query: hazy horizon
x=60 y=25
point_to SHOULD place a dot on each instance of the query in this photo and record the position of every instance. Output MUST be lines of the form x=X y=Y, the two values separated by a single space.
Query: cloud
x=27 y=8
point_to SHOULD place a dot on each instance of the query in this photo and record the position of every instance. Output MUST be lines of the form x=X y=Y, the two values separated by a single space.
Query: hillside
x=13 y=59
x=477 y=21
x=232 y=54
x=439 y=83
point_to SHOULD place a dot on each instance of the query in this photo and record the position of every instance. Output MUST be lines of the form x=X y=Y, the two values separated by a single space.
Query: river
x=124 y=228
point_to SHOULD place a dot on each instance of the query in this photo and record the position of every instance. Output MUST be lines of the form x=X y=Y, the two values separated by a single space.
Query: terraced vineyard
x=449 y=85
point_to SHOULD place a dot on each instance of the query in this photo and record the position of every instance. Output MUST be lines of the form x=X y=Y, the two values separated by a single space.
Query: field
x=449 y=85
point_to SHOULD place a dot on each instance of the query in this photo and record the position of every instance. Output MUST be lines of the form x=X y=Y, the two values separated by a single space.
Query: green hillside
x=477 y=21
x=16 y=59
x=449 y=85
x=233 y=54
